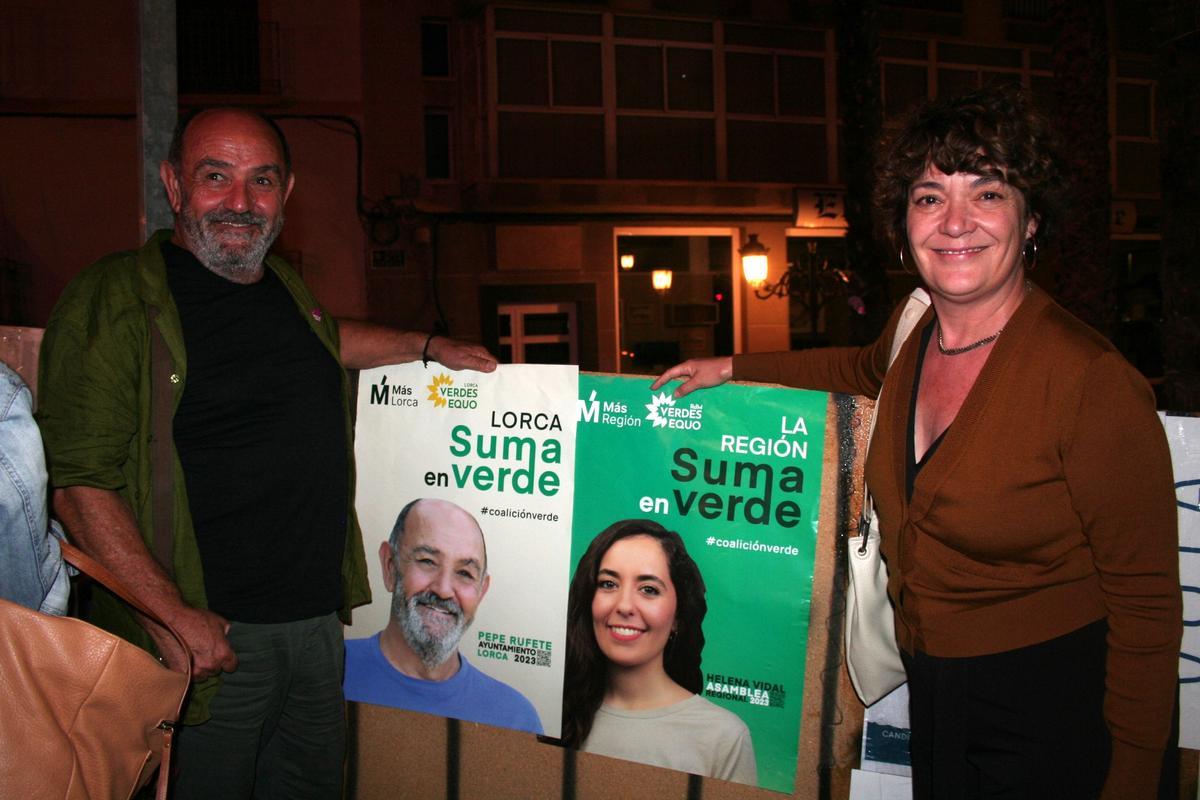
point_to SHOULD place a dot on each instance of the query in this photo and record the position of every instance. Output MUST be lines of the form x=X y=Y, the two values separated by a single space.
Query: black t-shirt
x=260 y=434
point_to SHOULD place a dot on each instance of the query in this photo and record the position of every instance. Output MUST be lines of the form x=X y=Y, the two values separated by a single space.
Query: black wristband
x=425 y=350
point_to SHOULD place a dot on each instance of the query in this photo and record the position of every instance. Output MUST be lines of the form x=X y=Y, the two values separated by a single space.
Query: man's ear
x=386 y=561
x=291 y=184
x=170 y=182
x=483 y=587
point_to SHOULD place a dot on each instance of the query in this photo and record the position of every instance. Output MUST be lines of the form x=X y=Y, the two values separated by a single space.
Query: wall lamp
x=661 y=280
x=754 y=261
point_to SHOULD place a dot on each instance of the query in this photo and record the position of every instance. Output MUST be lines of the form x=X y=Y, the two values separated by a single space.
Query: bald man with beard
x=228 y=502
x=435 y=565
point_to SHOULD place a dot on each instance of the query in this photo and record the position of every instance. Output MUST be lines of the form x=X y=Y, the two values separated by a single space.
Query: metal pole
x=158 y=104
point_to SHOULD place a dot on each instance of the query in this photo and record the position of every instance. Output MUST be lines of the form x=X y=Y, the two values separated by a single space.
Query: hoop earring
x=1030 y=261
x=903 y=266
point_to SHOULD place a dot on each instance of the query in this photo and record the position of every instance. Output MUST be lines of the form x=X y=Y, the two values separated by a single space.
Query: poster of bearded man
x=464 y=493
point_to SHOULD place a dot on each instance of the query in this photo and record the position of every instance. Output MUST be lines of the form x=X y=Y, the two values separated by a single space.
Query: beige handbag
x=84 y=714
x=872 y=657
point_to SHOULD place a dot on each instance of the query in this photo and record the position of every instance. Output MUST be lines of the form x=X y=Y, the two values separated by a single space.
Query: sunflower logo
x=659 y=401
x=434 y=388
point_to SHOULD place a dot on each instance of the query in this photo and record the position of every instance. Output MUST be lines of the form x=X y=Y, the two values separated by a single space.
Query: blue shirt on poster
x=468 y=695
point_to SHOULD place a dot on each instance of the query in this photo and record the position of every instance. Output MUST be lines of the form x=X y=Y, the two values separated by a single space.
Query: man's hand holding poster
x=657 y=554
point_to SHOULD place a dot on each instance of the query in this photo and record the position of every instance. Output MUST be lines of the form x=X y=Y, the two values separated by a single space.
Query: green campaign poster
x=736 y=472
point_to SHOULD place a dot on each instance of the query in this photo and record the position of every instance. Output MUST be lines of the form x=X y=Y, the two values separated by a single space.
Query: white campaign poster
x=501 y=446
x=1183 y=436
x=879 y=786
x=886 y=733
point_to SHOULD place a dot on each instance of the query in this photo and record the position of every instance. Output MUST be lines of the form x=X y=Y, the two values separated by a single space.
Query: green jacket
x=95 y=415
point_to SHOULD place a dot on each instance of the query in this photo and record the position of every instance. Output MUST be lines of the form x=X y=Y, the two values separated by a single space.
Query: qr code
x=777 y=698
x=543 y=658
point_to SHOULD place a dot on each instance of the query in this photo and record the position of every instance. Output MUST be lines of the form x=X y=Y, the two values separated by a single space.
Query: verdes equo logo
x=443 y=393
x=665 y=414
x=435 y=389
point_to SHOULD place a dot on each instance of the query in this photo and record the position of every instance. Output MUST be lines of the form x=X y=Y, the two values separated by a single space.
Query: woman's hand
x=699 y=373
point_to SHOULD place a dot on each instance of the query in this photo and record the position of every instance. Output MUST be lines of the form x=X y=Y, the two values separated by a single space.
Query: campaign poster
x=501 y=448
x=1183 y=436
x=736 y=471
x=886 y=732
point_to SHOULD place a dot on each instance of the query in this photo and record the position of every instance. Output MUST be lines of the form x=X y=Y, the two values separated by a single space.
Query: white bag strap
x=914 y=309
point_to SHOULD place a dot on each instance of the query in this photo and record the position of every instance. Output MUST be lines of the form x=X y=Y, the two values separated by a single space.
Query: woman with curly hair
x=634 y=637
x=1021 y=479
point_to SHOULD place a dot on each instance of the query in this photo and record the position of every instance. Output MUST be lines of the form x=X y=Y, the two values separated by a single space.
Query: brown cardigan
x=1048 y=505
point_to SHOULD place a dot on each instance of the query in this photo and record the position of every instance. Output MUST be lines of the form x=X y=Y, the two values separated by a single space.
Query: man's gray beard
x=239 y=266
x=432 y=648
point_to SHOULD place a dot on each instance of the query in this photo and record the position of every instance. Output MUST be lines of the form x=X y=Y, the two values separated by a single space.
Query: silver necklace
x=955 y=351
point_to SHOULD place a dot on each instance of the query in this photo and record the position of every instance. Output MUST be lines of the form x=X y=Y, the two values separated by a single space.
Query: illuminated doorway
x=693 y=313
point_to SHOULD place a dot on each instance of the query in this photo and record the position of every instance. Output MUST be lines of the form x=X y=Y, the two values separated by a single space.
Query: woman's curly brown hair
x=993 y=131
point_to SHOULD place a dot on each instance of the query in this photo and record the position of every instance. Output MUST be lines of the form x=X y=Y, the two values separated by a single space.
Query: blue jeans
x=278 y=726
x=31 y=567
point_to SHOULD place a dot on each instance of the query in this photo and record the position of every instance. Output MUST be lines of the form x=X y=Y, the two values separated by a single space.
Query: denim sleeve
x=31 y=567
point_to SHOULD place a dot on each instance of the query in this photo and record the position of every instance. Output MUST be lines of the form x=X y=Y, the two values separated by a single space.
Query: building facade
x=488 y=167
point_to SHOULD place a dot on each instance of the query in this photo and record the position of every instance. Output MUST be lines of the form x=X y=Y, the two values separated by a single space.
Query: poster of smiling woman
x=692 y=558
x=464 y=496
